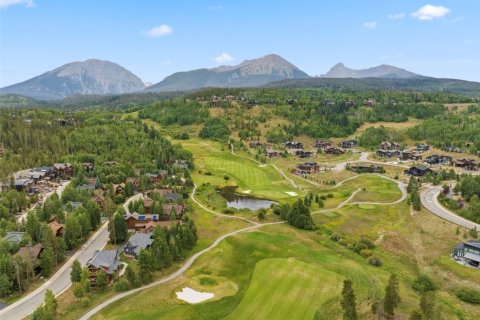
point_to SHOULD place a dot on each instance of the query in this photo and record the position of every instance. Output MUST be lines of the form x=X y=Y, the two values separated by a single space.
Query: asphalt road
x=428 y=196
x=59 y=282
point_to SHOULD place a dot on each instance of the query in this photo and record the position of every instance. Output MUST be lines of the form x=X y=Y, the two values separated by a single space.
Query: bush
x=225 y=177
x=336 y=237
x=375 y=261
x=228 y=211
x=121 y=285
x=365 y=253
x=367 y=242
x=424 y=283
x=468 y=295
x=329 y=195
x=359 y=246
x=208 y=173
x=85 y=302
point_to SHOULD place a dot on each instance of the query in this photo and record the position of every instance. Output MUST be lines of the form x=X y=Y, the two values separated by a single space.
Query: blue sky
x=156 y=38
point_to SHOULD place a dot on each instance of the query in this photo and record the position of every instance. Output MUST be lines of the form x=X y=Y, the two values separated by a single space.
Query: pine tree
x=76 y=273
x=131 y=277
x=392 y=297
x=47 y=262
x=348 y=303
x=101 y=280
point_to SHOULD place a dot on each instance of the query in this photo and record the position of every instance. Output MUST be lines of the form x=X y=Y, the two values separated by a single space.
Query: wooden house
x=57 y=228
x=106 y=260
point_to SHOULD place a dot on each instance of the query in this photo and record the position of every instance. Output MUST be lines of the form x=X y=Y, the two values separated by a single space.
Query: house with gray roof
x=14 y=237
x=136 y=243
x=106 y=260
x=468 y=253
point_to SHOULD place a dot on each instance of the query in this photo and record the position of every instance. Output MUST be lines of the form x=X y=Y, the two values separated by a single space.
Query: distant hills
x=92 y=76
x=383 y=71
x=250 y=73
x=97 y=78
x=420 y=84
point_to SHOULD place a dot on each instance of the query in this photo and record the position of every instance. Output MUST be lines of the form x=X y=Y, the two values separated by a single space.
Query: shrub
x=228 y=211
x=322 y=197
x=468 y=295
x=329 y=195
x=121 y=285
x=375 y=261
x=359 y=246
x=424 y=283
x=367 y=242
x=366 y=253
x=208 y=173
x=85 y=302
x=336 y=237
x=225 y=177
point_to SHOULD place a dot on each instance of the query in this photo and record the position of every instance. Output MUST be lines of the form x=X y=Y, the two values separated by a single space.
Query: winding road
x=187 y=264
x=429 y=198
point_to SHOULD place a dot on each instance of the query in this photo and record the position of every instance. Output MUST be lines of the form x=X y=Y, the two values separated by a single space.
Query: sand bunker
x=291 y=193
x=247 y=191
x=191 y=296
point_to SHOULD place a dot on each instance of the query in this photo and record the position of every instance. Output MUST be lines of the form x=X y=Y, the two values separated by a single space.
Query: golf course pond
x=243 y=201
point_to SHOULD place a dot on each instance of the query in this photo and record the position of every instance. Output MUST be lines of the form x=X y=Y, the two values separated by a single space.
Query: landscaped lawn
x=374 y=189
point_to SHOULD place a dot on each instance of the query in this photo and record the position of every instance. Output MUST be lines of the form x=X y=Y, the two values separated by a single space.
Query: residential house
x=150 y=226
x=25 y=185
x=88 y=166
x=438 y=159
x=65 y=170
x=418 y=171
x=410 y=155
x=293 y=145
x=14 y=237
x=106 y=260
x=387 y=153
x=322 y=144
x=136 y=243
x=118 y=188
x=134 y=181
x=99 y=198
x=333 y=151
x=173 y=196
x=229 y=98
x=161 y=192
x=147 y=204
x=467 y=164
x=306 y=168
x=92 y=184
x=154 y=177
x=269 y=153
x=181 y=164
x=468 y=253
x=422 y=147
x=57 y=228
x=167 y=208
x=348 y=144
x=31 y=254
x=138 y=222
x=387 y=145
x=303 y=154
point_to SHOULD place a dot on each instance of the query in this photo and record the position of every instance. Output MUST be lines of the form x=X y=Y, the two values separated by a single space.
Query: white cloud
x=160 y=31
x=430 y=12
x=370 y=25
x=8 y=3
x=396 y=16
x=224 y=57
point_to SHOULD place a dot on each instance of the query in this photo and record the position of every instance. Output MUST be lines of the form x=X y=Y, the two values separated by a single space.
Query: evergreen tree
x=101 y=280
x=118 y=229
x=47 y=262
x=33 y=227
x=85 y=281
x=348 y=303
x=392 y=297
x=76 y=273
x=131 y=277
x=147 y=265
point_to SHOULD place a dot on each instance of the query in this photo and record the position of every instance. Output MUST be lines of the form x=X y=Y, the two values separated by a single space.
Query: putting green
x=287 y=289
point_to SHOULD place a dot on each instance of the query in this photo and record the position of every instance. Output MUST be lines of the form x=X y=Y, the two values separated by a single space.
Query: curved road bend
x=59 y=282
x=429 y=198
x=174 y=275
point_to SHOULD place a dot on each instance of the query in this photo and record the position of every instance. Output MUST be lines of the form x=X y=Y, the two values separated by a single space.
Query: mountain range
x=88 y=77
x=102 y=78
x=383 y=71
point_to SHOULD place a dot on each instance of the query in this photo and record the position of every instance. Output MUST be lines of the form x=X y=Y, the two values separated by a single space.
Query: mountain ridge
x=92 y=76
x=249 y=73
x=381 y=71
